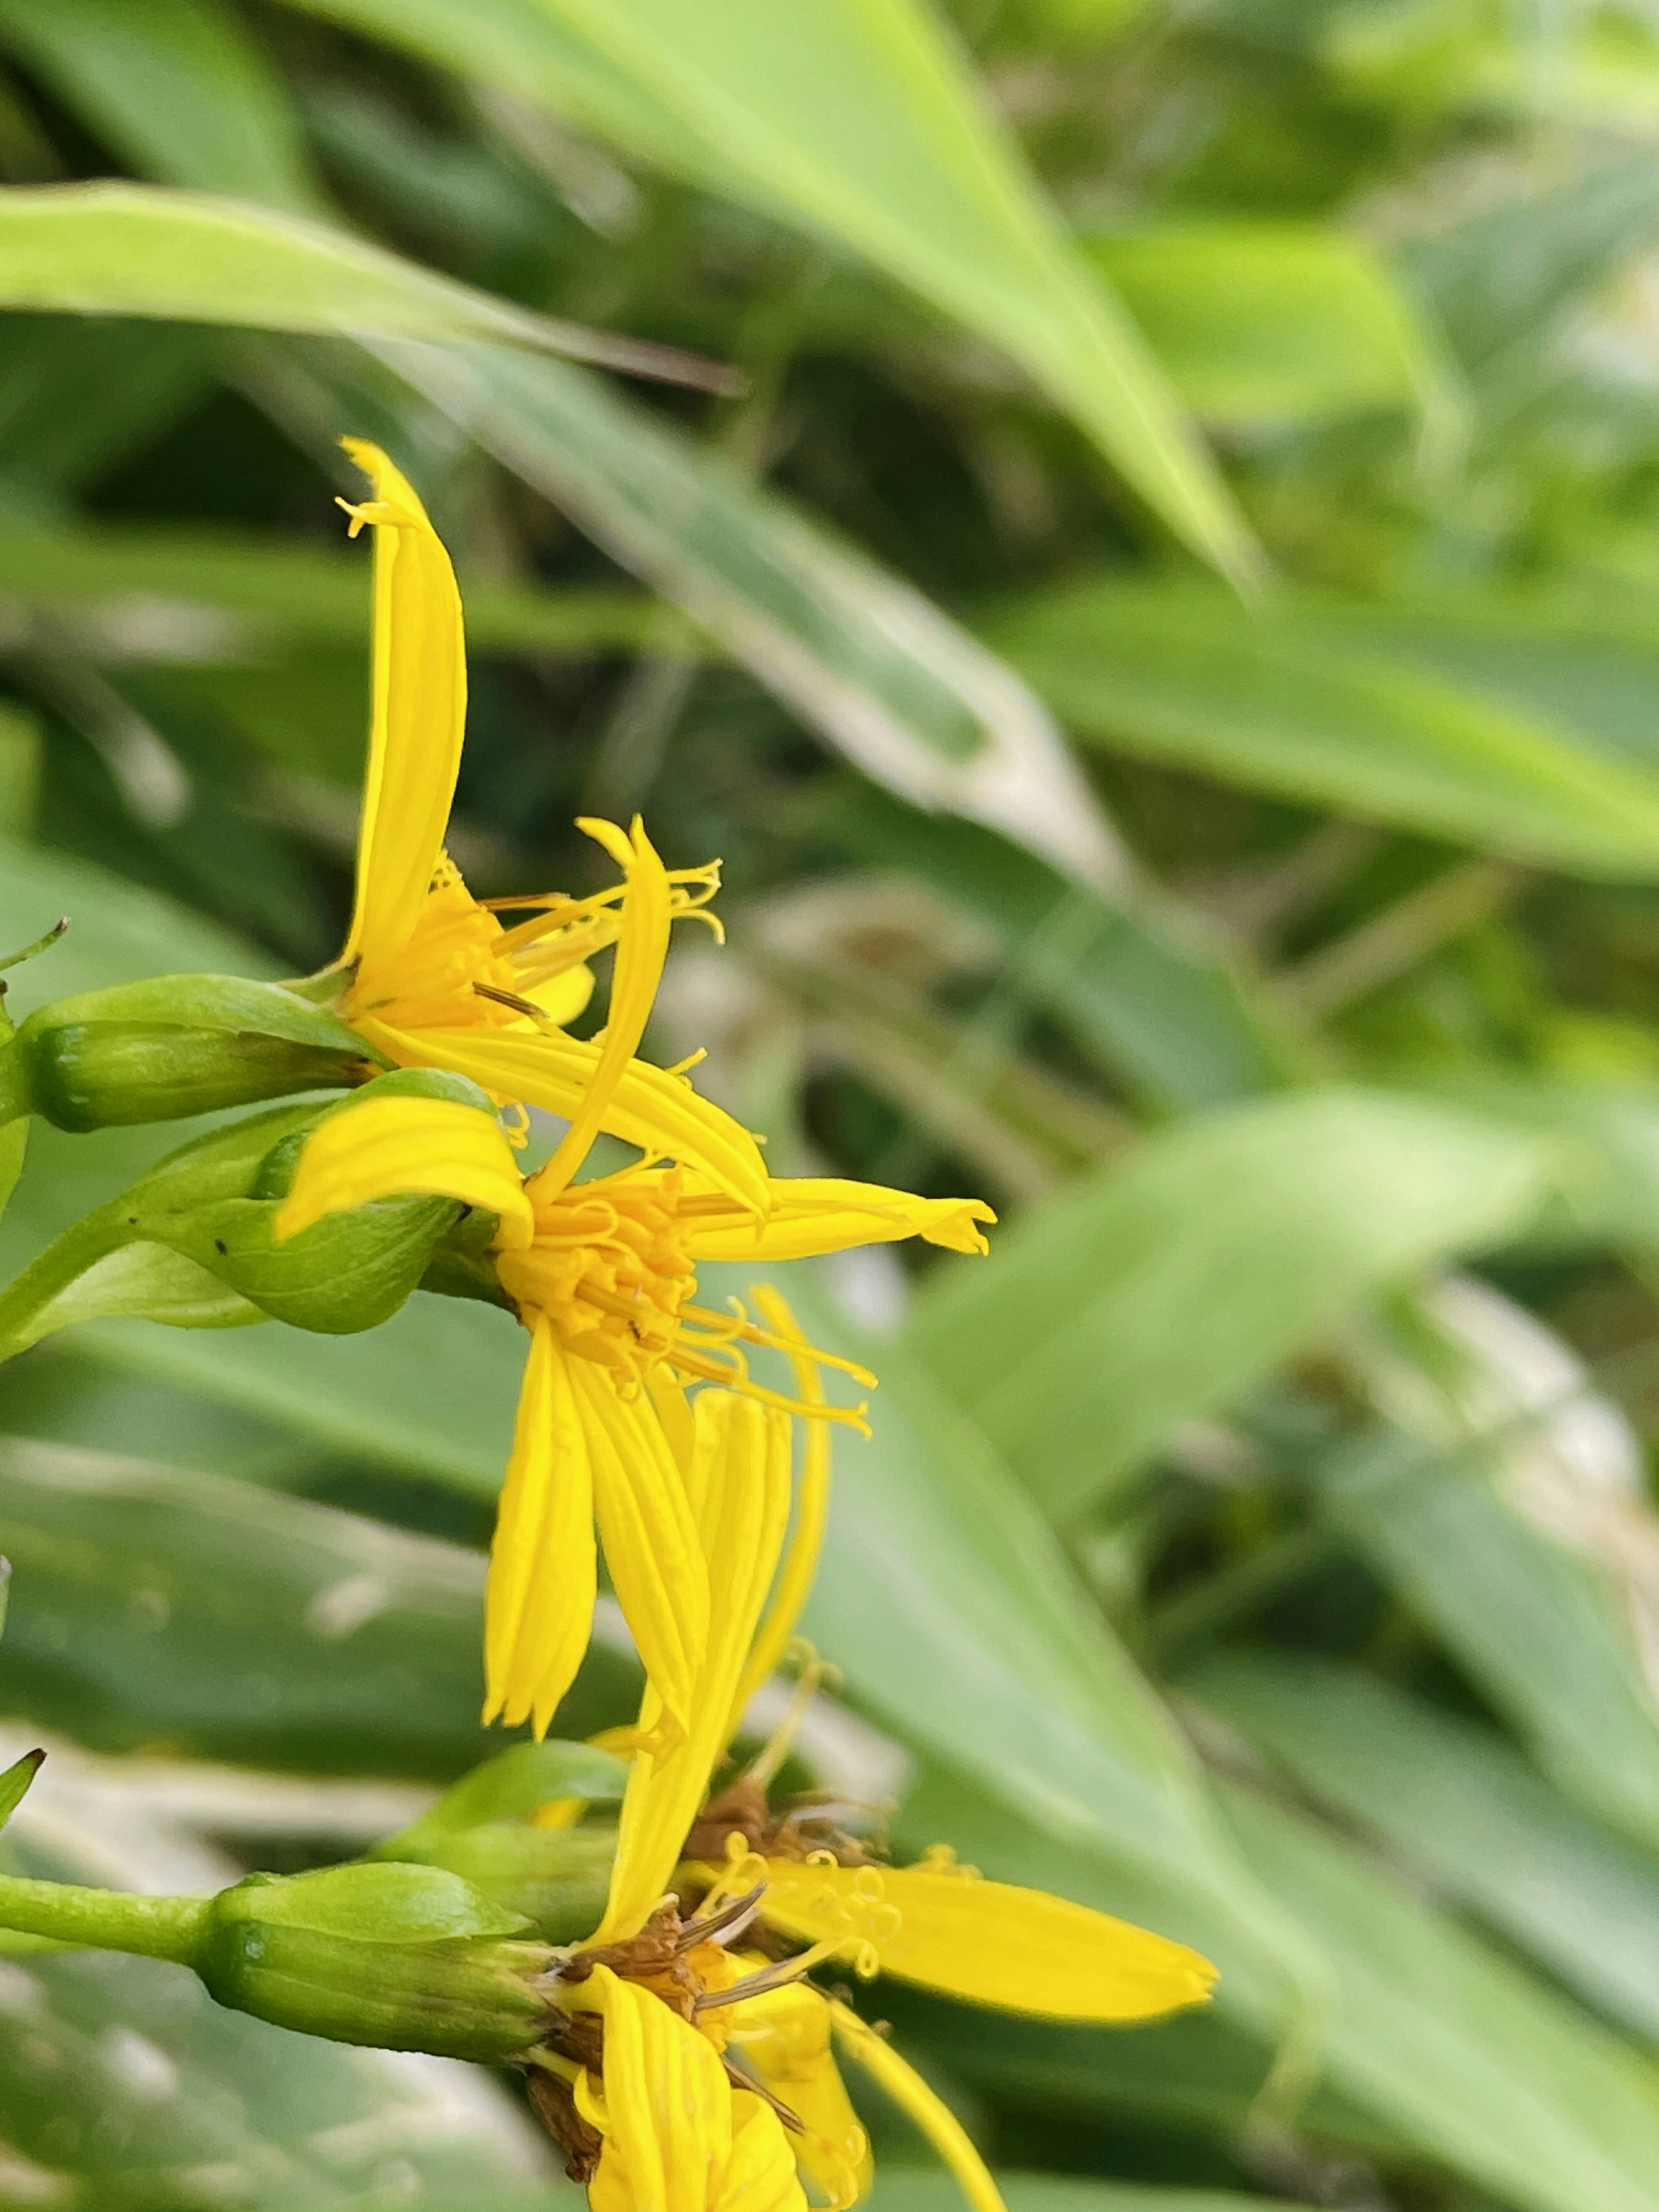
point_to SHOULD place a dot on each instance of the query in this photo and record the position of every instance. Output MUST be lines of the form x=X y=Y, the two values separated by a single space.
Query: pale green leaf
x=1458 y=1808
x=1392 y=715
x=1161 y=1287
x=1277 y=322
x=921 y=2189
x=177 y=87
x=120 y=249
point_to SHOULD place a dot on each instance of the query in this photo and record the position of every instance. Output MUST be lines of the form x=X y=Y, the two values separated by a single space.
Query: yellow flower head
x=692 y=2069
x=602 y=1275
x=430 y=976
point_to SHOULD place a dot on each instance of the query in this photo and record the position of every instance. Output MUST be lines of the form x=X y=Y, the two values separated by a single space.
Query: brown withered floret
x=795 y=1833
x=554 y=2105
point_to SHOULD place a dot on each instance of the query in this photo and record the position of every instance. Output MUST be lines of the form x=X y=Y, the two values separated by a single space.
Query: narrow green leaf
x=1393 y=715
x=1490 y=2072
x=15 y=1782
x=120 y=249
x=178 y=89
x=1114 y=1310
x=857 y=120
x=1457 y=1806
x=917 y=2189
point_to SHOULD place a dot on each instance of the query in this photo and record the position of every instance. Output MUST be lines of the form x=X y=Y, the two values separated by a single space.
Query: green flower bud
x=408 y=1958
x=176 y=1045
x=190 y=1243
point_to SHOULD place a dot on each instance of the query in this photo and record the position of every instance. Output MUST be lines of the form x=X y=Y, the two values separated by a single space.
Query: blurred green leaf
x=857 y=119
x=907 y=2188
x=1112 y=1311
x=15 y=1782
x=1456 y=1805
x=157 y=1606
x=121 y=249
x=1490 y=2072
x=75 y=401
x=1354 y=708
x=1260 y=322
x=176 y=87
x=122 y=2080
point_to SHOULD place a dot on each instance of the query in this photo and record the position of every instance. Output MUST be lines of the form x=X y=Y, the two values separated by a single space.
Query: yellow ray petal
x=800 y=1560
x=561 y=998
x=418 y=715
x=666 y=2109
x=650 y=1540
x=642 y=949
x=760 y=2176
x=538 y=1606
x=782 y=2038
x=742 y=1452
x=810 y=1215
x=394 y=1147
x=659 y=1112
x=1018 y=1949
x=913 y=2096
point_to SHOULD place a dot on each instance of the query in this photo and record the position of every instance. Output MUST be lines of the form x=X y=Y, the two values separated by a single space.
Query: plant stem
x=104 y=1919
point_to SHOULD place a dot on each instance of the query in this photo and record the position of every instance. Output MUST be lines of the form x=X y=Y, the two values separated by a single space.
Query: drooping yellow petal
x=1018 y=1949
x=809 y=1215
x=650 y=1538
x=539 y=1605
x=418 y=715
x=782 y=2038
x=760 y=2175
x=666 y=2111
x=642 y=949
x=800 y=1560
x=396 y=1147
x=742 y=1449
x=658 y=1112
x=913 y=2097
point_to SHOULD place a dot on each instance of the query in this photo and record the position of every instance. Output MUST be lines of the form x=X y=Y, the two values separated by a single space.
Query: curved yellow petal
x=649 y=1537
x=399 y=1146
x=561 y=998
x=800 y=1559
x=642 y=949
x=742 y=1451
x=658 y=1112
x=809 y=1215
x=1018 y=1949
x=913 y=2097
x=418 y=713
x=760 y=2175
x=539 y=1601
x=782 y=2039
x=666 y=2109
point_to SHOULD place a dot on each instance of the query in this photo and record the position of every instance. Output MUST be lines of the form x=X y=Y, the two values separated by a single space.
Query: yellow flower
x=711 y=2070
x=602 y=1274
x=429 y=976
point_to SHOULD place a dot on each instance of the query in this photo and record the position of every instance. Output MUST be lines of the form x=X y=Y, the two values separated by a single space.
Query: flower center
x=432 y=981
x=610 y=1269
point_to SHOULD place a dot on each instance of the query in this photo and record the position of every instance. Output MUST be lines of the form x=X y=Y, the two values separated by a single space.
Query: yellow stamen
x=921 y=2104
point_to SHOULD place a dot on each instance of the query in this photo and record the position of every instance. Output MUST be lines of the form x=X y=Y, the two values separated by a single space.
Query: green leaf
x=856 y=652
x=177 y=88
x=155 y=1605
x=121 y=2078
x=1277 y=322
x=15 y=1782
x=1395 y=715
x=1114 y=1310
x=120 y=249
x=511 y=1787
x=1489 y=2071
x=856 y=120
x=1458 y=1809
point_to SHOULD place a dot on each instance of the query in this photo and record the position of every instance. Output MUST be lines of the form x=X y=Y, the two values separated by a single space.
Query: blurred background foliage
x=1164 y=642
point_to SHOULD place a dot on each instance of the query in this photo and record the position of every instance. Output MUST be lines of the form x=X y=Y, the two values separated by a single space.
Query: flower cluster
x=680 y=2050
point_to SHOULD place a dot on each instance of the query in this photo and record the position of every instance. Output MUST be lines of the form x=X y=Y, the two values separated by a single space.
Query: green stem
x=104 y=1919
